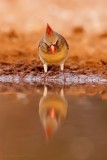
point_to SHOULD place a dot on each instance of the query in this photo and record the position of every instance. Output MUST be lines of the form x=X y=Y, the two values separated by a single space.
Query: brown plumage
x=53 y=49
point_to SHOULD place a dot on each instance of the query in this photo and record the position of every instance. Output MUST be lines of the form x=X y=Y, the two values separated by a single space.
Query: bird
x=53 y=109
x=53 y=49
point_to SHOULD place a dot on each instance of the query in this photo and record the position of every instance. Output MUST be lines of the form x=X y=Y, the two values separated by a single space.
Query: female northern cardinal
x=53 y=49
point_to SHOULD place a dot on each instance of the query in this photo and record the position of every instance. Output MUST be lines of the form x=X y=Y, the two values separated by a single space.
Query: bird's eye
x=44 y=46
x=58 y=44
x=47 y=46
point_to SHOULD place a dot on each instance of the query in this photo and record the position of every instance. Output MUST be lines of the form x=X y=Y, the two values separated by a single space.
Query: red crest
x=49 y=30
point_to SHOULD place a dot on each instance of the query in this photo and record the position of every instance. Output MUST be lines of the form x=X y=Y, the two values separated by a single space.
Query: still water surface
x=51 y=125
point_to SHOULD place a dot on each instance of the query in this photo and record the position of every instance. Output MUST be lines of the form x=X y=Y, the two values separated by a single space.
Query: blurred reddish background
x=82 y=22
x=32 y=15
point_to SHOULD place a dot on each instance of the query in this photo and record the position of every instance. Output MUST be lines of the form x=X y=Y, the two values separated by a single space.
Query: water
x=52 y=125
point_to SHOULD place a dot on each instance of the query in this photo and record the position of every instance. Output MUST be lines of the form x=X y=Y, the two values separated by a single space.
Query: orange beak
x=53 y=49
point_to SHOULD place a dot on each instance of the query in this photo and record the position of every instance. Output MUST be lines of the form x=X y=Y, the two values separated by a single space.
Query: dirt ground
x=19 y=54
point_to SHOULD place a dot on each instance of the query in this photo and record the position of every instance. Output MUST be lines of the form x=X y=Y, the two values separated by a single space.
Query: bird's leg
x=45 y=67
x=62 y=66
x=45 y=70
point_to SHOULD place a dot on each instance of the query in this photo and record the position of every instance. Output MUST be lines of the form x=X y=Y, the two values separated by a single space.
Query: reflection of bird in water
x=52 y=111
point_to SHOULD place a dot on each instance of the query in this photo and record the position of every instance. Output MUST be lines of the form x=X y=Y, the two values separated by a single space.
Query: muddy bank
x=33 y=72
x=86 y=63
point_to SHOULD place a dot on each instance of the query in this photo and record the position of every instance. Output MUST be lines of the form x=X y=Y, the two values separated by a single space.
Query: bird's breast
x=57 y=57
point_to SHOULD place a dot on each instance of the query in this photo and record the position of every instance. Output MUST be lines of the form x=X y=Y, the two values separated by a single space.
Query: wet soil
x=35 y=67
x=73 y=90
